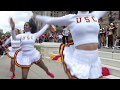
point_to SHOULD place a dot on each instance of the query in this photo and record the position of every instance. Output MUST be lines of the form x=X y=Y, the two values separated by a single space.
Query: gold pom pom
x=53 y=28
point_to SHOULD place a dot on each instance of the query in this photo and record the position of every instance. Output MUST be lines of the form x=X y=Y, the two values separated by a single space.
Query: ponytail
x=33 y=26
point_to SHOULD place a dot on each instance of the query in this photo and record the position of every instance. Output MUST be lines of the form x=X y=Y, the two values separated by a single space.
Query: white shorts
x=26 y=58
x=82 y=64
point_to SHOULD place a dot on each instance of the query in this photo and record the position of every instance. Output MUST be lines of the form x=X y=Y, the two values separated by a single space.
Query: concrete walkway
x=34 y=73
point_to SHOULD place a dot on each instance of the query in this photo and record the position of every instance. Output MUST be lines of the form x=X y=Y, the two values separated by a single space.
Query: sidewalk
x=34 y=73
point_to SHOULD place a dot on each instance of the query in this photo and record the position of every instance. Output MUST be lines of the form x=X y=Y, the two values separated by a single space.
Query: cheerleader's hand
x=12 y=24
x=52 y=28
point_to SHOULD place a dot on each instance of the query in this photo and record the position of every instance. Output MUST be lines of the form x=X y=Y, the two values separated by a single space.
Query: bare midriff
x=89 y=46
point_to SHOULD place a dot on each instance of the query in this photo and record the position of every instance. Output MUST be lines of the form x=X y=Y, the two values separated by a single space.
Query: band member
x=28 y=54
x=15 y=45
x=65 y=34
x=80 y=59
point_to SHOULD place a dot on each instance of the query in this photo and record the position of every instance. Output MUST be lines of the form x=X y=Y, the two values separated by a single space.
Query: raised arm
x=60 y=21
x=99 y=14
x=13 y=34
x=38 y=34
x=12 y=24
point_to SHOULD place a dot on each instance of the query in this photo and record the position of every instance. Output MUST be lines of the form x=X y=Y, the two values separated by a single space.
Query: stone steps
x=109 y=55
x=111 y=77
x=113 y=70
x=111 y=62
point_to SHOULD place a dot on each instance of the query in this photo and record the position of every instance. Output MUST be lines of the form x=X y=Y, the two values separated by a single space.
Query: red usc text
x=87 y=19
x=27 y=37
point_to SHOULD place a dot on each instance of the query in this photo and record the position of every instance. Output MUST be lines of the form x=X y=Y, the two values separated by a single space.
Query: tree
x=1 y=34
x=7 y=34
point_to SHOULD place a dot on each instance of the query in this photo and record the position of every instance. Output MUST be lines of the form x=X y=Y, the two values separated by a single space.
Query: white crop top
x=14 y=43
x=28 y=39
x=84 y=28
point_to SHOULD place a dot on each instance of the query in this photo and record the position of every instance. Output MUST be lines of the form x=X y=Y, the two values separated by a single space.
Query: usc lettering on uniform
x=86 y=19
x=27 y=37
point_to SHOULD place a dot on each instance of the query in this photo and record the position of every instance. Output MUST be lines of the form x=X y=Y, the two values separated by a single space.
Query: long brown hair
x=33 y=26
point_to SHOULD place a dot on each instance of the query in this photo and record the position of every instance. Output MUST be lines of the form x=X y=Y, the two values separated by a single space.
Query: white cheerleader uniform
x=15 y=45
x=28 y=54
x=84 y=28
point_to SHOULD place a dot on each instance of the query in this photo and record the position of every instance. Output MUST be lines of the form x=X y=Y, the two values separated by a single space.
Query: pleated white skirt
x=82 y=64
x=11 y=51
x=26 y=58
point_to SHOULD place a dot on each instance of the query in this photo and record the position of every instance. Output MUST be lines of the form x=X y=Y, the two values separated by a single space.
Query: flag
x=55 y=58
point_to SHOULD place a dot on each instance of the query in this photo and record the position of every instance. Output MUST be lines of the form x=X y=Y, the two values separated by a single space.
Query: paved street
x=34 y=73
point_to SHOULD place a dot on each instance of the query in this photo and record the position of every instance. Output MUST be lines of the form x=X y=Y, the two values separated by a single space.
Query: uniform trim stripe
x=22 y=66
x=61 y=49
x=7 y=51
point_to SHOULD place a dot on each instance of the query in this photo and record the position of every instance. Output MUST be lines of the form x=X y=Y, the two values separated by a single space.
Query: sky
x=19 y=17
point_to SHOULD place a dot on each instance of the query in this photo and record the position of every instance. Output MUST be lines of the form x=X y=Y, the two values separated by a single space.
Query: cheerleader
x=15 y=45
x=80 y=59
x=28 y=54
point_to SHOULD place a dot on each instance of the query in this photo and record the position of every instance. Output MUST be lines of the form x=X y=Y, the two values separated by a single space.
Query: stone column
x=48 y=49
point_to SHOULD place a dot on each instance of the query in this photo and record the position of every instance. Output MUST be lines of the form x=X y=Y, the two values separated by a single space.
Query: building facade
x=49 y=13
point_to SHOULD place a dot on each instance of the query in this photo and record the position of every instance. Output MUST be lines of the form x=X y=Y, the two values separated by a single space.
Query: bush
x=38 y=47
